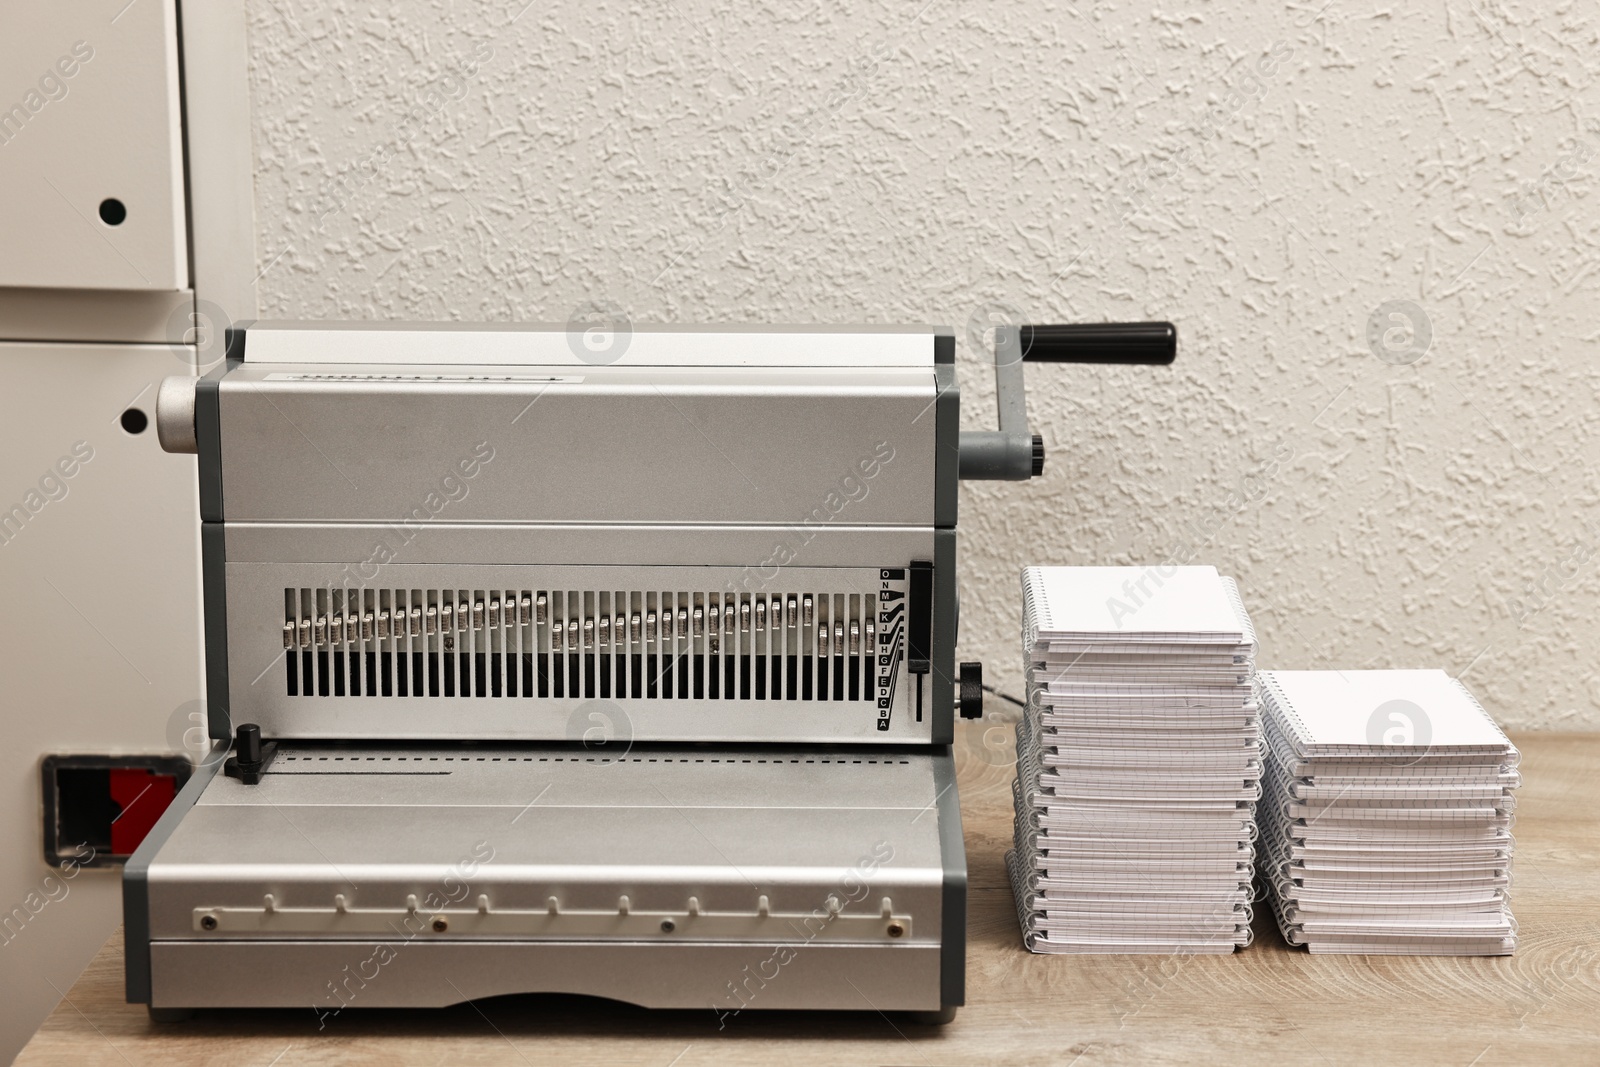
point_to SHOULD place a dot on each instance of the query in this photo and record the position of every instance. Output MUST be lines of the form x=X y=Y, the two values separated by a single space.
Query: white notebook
x=1363 y=713
x=1089 y=604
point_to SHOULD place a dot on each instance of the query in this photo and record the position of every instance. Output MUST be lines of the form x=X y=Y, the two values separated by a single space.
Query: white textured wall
x=907 y=162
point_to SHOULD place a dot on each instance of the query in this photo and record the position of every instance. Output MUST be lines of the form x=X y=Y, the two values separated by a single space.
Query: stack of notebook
x=1386 y=819
x=1139 y=762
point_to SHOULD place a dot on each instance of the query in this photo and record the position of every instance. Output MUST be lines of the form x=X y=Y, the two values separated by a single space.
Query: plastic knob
x=971 y=691
x=247 y=745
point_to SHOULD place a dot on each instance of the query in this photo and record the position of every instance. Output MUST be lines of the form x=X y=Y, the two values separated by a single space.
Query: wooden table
x=1265 y=1005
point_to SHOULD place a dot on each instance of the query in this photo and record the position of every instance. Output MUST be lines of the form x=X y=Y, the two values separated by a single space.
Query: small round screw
x=667 y=926
x=440 y=926
x=208 y=922
x=897 y=929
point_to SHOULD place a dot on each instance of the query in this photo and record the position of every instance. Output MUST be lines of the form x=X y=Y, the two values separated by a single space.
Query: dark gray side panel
x=233 y=341
x=947 y=446
x=136 y=877
x=214 y=605
x=208 y=436
x=953 y=904
x=942 y=682
x=947 y=459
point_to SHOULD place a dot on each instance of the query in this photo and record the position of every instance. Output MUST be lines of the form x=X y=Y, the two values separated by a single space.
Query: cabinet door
x=91 y=150
x=100 y=637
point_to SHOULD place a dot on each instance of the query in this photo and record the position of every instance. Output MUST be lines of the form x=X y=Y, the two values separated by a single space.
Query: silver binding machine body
x=619 y=664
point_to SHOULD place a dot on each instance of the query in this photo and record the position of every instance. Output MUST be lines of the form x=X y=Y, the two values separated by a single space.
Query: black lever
x=919 y=617
x=1100 y=342
x=1015 y=453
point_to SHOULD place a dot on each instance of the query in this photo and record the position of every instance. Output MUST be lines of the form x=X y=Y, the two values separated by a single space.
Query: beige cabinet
x=99 y=650
x=91 y=146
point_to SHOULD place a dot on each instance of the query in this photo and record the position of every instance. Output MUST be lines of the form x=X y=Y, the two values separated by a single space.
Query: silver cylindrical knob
x=175 y=414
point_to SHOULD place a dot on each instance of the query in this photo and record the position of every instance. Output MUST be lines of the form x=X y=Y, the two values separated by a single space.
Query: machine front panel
x=806 y=654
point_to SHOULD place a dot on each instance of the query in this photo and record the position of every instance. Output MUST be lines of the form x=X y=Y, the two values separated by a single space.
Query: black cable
x=987 y=688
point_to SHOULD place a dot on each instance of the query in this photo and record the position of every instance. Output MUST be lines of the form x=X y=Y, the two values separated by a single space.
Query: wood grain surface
x=1264 y=1005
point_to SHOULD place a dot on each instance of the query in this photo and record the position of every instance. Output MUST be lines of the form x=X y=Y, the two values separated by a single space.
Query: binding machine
x=612 y=662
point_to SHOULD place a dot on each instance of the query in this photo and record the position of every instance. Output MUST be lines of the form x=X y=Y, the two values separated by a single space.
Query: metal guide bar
x=832 y=921
x=565 y=644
